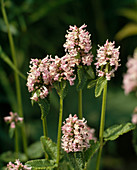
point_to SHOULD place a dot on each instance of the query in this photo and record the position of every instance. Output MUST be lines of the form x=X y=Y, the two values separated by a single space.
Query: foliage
x=115 y=131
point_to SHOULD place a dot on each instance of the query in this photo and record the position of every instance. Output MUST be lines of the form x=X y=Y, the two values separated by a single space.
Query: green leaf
x=101 y=82
x=90 y=72
x=10 y=63
x=44 y=105
x=82 y=78
x=128 y=30
x=135 y=139
x=35 y=150
x=129 y=14
x=88 y=154
x=11 y=132
x=91 y=84
x=79 y=160
x=11 y=156
x=49 y=147
x=72 y=159
x=115 y=131
x=41 y=164
x=61 y=88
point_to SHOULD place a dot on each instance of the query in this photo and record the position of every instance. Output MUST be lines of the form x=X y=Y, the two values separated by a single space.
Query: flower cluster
x=44 y=72
x=107 y=60
x=13 y=119
x=76 y=134
x=134 y=116
x=39 y=78
x=130 y=78
x=17 y=166
x=78 y=45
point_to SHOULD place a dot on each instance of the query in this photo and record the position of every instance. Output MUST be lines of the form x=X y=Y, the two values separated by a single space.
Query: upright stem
x=59 y=129
x=18 y=90
x=16 y=143
x=45 y=131
x=102 y=123
x=80 y=104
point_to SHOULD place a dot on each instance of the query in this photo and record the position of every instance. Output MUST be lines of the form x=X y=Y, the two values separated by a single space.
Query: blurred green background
x=38 y=29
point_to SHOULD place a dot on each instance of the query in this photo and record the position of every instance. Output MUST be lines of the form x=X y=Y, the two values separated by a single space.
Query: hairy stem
x=59 y=129
x=17 y=81
x=102 y=124
x=80 y=104
x=45 y=131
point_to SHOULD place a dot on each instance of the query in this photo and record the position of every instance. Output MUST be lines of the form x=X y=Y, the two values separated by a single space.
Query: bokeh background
x=38 y=29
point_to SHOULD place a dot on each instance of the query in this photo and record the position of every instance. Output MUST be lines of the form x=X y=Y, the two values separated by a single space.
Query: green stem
x=102 y=124
x=17 y=81
x=16 y=143
x=59 y=129
x=45 y=131
x=80 y=104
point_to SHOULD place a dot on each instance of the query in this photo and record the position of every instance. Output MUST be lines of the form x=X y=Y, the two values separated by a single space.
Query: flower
x=134 y=116
x=78 y=45
x=63 y=69
x=17 y=166
x=39 y=78
x=107 y=60
x=13 y=119
x=76 y=134
x=43 y=73
x=130 y=78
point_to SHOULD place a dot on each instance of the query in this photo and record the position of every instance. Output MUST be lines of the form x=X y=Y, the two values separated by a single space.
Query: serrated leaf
x=6 y=59
x=41 y=164
x=135 y=139
x=88 y=154
x=35 y=150
x=11 y=156
x=115 y=131
x=90 y=72
x=72 y=160
x=101 y=82
x=129 y=29
x=44 y=105
x=81 y=78
x=91 y=84
x=49 y=147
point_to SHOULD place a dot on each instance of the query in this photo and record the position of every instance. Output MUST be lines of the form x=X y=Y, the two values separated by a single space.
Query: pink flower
x=76 y=134
x=34 y=97
x=39 y=77
x=63 y=68
x=13 y=119
x=78 y=44
x=107 y=60
x=134 y=118
x=17 y=166
x=130 y=78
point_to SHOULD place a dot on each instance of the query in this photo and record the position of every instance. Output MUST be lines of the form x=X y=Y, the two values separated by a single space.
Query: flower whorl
x=130 y=78
x=76 y=134
x=78 y=45
x=107 y=60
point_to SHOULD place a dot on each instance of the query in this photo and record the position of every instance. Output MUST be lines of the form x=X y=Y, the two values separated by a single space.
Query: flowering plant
x=76 y=143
